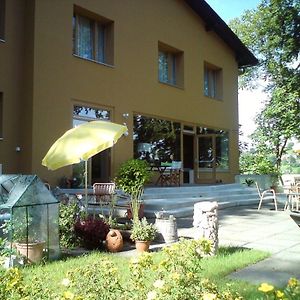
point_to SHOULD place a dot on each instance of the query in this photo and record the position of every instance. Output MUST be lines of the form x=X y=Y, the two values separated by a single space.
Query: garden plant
x=174 y=273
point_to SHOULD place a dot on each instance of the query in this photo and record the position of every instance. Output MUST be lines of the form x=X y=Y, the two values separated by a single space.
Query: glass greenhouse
x=29 y=213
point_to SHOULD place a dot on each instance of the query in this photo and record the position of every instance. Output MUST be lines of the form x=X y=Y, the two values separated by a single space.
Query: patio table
x=160 y=169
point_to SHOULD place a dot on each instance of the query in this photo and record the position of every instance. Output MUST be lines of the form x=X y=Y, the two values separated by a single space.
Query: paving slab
x=267 y=230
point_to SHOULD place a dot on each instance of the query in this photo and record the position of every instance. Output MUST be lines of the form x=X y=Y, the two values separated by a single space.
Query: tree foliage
x=272 y=33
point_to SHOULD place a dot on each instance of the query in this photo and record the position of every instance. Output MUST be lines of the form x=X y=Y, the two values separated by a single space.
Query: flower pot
x=32 y=251
x=142 y=246
x=114 y=241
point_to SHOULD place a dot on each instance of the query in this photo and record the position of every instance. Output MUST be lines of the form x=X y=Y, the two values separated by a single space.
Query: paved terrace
x=268 y=230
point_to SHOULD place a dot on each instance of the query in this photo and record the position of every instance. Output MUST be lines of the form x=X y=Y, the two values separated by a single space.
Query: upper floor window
x=92 y=36
x=212 y=81
x=170 y=65
x=2 y=19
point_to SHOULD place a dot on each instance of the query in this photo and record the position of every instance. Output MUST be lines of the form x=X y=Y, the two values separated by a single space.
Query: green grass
x=215 y=268
x=228 y=260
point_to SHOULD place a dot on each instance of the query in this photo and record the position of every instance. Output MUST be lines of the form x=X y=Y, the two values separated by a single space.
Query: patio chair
x=104 y=192
x=294 y=197
x=172 y=176
x=266 y=195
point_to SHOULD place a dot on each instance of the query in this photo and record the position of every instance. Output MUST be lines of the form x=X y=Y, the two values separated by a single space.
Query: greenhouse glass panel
x=31 y=215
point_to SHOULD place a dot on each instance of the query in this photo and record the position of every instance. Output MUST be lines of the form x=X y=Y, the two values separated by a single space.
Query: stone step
x=179 y=201
x=188 y=211
x=189 y=193
x=160 y=203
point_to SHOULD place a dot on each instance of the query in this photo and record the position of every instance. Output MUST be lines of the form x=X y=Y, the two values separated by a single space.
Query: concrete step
x=188 y=211
x=178 y=192
x=179 y=201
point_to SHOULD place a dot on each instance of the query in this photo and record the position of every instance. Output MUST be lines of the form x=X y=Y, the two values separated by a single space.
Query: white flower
x=151 y=295
x=159 y=283
x=66 y=282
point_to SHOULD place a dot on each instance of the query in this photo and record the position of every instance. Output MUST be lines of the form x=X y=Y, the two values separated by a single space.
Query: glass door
x=206 y=162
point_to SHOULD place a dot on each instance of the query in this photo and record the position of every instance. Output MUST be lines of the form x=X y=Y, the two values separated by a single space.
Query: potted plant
x=143 y=233
x=131 y=178
x=25 y=238
x=91 y=231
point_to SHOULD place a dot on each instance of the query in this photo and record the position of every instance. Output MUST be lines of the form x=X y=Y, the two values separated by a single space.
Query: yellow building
x=166 y=68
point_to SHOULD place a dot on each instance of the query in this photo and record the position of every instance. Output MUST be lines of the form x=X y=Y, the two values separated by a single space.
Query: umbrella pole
x=85 y=184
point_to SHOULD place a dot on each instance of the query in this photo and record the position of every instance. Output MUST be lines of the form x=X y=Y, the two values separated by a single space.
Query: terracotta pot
x=114 y=241
x=142 y=246
x=33 y=251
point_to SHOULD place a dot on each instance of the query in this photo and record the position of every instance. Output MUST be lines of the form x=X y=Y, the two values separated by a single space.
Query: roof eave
x=244 y=56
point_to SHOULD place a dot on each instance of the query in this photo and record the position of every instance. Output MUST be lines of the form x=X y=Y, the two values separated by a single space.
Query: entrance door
x=188 y=158
x=101 y=166
x=206 y=169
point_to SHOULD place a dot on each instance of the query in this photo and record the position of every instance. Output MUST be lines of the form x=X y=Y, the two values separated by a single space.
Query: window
x=213 y=148
x=170 y=65
x=212 y=81
x=1 y=115
x=99 y=164
x=2 y=19
x=92 y=36
x=82 y=114
x=156 y=140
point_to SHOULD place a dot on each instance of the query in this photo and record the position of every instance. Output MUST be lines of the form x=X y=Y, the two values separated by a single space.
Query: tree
x=277 y=123
x=272 y=32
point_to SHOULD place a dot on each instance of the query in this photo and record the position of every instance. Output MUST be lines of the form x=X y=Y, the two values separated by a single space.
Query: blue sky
x=229 y=9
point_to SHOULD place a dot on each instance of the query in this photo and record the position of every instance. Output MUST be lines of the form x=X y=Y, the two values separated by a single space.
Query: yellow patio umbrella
x=82 y=142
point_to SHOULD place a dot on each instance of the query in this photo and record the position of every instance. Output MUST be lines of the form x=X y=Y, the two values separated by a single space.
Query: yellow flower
x=151 y=295
x=264 y=287
x=293 y=282
x=209 y=296
x=159 y=284
x=66 y=282
x=68 y=295
x=279 y=294
x=175 y=276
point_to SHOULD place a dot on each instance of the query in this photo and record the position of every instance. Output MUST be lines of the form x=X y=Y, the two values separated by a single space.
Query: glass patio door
x=206 y=162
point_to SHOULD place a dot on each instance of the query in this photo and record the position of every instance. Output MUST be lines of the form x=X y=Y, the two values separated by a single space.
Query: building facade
x=166 y=68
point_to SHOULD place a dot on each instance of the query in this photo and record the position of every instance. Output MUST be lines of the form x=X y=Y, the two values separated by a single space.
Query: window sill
x=213 y=98
x=208 y=170
x=94 y=61
x=172 y=85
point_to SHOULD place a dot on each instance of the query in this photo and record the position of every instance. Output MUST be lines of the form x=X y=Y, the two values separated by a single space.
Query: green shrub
x=143 y=231
x=67 y=216
x=133 y=175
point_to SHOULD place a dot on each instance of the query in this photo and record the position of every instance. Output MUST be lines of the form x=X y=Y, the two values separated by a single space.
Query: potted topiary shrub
x=131 y=178
x=143 y=233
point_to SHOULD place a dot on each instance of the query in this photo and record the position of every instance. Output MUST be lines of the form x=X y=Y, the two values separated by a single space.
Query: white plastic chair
x=267 y=195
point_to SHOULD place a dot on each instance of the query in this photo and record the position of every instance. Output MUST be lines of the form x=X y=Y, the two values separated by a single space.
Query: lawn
x=214 y=268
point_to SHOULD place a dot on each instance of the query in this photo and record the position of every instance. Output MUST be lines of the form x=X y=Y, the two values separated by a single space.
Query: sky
x=250 y=102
